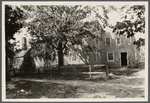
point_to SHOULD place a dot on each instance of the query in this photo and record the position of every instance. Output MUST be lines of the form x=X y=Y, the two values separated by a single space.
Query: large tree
x=13 y=23
x=56 y=26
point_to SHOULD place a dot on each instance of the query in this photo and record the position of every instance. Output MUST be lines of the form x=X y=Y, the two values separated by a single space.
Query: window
x=74 y=57
x=107 y=41
x=110 y=57
x=97 y=54
x=118 y=41
x=70 y=56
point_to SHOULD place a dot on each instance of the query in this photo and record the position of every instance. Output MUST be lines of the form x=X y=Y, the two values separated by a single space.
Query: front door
x=124 y=59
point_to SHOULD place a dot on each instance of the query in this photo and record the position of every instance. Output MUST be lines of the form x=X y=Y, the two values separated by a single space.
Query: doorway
x=124 y=59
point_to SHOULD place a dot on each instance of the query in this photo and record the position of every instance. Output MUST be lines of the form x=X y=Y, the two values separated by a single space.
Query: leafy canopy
x=134 y=22
x=55 y=24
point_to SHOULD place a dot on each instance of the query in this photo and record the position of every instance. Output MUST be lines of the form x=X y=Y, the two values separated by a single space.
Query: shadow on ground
x=30 y=89
x=124 y=71
x=48 y=85
x=116 y=73
x=43 y=89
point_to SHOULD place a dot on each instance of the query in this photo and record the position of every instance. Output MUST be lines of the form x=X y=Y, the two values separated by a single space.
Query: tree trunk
x=7 y=70
x=60 y=57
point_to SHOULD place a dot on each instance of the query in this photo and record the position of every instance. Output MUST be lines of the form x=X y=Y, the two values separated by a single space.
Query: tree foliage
x=133 y=24
x=57 y=25
x=43 y=50
x=85 y=45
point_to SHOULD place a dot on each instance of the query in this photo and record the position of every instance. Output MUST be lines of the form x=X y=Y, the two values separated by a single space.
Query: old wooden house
x=111 y=49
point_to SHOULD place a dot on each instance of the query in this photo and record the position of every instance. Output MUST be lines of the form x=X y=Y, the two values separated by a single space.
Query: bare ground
x=122 y=86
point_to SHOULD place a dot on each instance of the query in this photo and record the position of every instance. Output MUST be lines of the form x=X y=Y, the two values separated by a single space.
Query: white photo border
x=74 y=3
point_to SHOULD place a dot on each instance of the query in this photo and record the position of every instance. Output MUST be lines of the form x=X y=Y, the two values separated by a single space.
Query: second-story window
x=118 y=41
x=107 y=41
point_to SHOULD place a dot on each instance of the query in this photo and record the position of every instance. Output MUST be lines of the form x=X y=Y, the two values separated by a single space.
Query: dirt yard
x=115 y=86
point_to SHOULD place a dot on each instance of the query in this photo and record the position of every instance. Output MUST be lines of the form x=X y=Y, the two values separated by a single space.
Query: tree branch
x=65 y=44
x=83 y=59
x=52 y=44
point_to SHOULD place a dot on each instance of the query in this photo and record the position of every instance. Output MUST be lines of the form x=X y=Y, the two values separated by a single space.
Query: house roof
x=22 y=53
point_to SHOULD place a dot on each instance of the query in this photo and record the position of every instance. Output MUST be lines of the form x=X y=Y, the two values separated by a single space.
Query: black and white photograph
x=74 y=51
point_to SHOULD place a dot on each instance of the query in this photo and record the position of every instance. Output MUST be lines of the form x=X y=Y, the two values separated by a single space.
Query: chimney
x=24 y=43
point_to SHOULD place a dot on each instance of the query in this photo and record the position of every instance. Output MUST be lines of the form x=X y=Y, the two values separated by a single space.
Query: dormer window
x=107 y=41
x=118 y=41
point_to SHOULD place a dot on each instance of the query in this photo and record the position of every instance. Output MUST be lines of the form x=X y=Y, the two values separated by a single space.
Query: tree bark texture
x=60 y=57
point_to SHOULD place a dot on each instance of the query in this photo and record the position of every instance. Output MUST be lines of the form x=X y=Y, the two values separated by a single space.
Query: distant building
x=22 y=60
x=27 y=60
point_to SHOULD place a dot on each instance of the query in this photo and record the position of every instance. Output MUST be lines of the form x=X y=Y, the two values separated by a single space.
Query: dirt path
x=119 y=83
x=123 y=87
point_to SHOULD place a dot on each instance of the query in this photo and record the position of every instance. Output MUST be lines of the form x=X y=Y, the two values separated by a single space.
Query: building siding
x=125 y=46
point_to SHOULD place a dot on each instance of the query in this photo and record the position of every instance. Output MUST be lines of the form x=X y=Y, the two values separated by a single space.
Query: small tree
x=86 y=41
